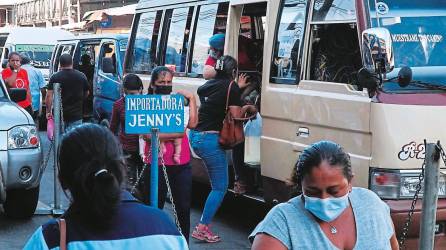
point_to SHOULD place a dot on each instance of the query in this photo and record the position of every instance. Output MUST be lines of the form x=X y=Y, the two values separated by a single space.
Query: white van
x=38 y=43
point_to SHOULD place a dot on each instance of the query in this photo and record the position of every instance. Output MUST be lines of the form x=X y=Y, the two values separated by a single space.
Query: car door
x=107 y=83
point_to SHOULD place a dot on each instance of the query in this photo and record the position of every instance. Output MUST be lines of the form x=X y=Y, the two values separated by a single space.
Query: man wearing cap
x=36 y=83
x=217 y=45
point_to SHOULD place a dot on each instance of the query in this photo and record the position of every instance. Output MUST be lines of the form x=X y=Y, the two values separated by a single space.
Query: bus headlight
x=400 y=184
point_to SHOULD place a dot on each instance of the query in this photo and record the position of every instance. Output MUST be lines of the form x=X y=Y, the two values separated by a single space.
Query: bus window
x=287 y=58
x=210 y=20
x=251 y=37
x=178 y=38
x=334 y=10
x=143 y=48
x=335 y=54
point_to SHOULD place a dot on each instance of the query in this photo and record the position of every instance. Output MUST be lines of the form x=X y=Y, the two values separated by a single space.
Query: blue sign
x=144 y=112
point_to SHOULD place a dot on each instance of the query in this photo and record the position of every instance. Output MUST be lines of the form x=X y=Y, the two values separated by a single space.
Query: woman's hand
x=186 y=94
x=243 y=80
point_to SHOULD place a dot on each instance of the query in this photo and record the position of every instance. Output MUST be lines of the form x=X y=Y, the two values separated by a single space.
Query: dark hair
x=225 y=67
x=65 y=60
x=156 y=72
x=24 y=59
x=313 y=155
x=84 y=152
x=132 y=82
x=13 y=54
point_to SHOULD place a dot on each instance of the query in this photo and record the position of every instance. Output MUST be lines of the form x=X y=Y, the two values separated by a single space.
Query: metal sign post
x=57 y=132
x=157 y=114
x=56 y=207
x=154 y=168
x=430 y=197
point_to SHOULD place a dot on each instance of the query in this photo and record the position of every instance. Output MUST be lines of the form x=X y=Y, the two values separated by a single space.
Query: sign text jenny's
x=144 y=112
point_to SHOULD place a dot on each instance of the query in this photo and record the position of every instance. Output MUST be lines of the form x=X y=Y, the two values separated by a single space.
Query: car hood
x=12 y=115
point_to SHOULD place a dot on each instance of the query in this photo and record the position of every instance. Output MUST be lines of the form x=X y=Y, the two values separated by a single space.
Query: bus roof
x=96 y=37
x=144 y=4
x=33 y=35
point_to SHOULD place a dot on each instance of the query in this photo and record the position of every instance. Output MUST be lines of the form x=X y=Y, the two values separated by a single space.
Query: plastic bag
x=253 y=132
x=50 y=129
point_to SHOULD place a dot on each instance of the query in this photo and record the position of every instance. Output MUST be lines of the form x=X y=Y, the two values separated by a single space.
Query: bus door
x=108 y=75
x=245 y=41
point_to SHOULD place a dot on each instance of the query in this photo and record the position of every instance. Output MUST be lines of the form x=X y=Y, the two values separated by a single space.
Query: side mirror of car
x=377 y=50
x=17 y=95
x=4 y=63
x=108 y=66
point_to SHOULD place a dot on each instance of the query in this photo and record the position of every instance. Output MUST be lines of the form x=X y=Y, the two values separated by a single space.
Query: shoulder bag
x=63 y=234
x=231 y=133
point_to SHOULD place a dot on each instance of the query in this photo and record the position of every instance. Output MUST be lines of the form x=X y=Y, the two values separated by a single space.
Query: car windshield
x=40 y=55
x=418 y=30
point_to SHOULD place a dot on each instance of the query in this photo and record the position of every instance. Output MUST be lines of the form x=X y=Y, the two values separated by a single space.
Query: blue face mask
x=326 y=209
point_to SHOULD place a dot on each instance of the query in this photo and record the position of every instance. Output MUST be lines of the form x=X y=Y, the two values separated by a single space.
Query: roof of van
x=96 y=36
x=34 y=35
x=144 y=4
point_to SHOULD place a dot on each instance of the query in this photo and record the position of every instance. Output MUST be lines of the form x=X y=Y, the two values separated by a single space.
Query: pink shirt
x=168 y=155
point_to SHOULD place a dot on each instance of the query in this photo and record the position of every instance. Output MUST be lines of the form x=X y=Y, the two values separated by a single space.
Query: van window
x=143 y=47
x=210 y=20
x=334 y=10
x=178 y=38
x=65 y=48
x=108 y=51
x=88 y=51
x=287 y=57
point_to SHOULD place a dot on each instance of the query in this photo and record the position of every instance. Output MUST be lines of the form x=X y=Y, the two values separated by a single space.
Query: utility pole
x=60 y=12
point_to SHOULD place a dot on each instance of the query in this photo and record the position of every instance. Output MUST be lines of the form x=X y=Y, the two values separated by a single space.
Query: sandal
x=240 y=188
x=204 y=233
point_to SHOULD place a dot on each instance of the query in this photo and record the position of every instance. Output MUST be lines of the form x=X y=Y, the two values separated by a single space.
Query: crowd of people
x=109 y=185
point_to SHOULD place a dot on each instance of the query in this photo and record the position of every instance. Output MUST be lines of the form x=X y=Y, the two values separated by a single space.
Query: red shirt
x=21 y=82
x=210 y=61
x=170 y=150
x=129 y=142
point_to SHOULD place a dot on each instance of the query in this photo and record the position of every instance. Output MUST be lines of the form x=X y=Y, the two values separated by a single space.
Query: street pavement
x=234 y=221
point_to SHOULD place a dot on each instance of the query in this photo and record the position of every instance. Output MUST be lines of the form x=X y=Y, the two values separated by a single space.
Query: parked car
x=20 y=156
x=104 y=71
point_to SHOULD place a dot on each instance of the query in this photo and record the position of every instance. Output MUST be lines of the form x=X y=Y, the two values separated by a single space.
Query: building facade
x=45 y=13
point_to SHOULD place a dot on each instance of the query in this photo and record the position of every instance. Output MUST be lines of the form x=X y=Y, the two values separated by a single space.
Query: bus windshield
x=418 y=30
x=40 y=55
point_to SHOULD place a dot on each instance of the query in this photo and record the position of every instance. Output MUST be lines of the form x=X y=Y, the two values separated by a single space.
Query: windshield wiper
x=404 y=79
x=428 y=85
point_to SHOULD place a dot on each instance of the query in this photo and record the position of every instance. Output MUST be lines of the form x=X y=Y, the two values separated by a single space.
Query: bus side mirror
x=377 y=51
x=108 y=66
x=4 y=63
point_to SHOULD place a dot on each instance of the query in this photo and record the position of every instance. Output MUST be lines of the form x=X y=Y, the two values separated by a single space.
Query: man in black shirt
x=74 y=86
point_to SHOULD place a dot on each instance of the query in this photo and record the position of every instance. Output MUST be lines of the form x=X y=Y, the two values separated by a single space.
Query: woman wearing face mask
x=178 y=169
x=132 y=86
x=204 y=139
x=330 y=213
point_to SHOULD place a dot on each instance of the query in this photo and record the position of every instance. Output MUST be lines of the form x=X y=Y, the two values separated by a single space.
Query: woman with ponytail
x=101 y=214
